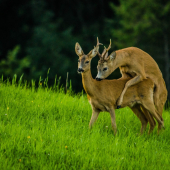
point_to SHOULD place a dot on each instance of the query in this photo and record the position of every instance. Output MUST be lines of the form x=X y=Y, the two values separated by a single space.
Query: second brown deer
x=103 y=95
x=138 y=66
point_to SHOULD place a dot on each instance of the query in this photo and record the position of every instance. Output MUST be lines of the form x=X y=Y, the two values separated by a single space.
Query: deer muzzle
x=98 y=79
x=80 y=70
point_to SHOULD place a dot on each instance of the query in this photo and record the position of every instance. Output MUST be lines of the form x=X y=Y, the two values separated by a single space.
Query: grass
x=46 y=129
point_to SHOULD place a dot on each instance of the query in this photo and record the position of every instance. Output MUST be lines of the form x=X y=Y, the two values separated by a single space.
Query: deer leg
x=124 y=75
x=151 y=108
x=131 y=82
x=159 y=100
x=113 y=120
x=149 y=117
x=138 y=112
x=156 y=101
x=94 y=117
x=160 y=125
x=160 y=96
x=159 y=106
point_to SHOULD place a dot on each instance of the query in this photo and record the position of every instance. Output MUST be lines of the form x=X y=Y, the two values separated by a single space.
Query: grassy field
x=46 y=129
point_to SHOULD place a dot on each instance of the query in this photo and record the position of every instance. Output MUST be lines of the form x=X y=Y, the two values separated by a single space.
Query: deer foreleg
x=131 y=82
x=113 y=120
x=94 y=117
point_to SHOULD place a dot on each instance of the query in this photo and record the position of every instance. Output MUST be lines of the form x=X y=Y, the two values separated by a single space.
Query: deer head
x=85 y=60
x=105 y=63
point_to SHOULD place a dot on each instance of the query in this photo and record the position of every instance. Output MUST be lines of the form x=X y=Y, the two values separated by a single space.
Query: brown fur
x=103 y=95
x=139 y=65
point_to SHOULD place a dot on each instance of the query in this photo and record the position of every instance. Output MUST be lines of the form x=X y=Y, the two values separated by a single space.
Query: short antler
x=98 y=45
x=105 y=51
x=109 y=46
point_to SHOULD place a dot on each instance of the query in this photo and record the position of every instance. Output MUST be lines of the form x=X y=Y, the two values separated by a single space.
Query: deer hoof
x=119 y=106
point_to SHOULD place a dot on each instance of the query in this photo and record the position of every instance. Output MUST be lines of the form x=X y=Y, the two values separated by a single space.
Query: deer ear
x=78 y=49
x=112 y=55
x=93 y=52
x=106 y=55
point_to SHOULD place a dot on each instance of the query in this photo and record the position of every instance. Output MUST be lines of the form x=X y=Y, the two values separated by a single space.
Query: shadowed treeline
x=38 y=34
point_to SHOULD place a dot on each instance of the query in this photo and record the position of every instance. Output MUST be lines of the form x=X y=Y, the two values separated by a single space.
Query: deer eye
x=105 y=69
x=87 y=61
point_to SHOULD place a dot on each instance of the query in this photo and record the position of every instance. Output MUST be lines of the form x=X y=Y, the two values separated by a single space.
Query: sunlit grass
x=46 y=129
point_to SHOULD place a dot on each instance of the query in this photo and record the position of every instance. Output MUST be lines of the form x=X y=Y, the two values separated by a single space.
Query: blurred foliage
x=41 y=34
x=140 y=23
x=49 y=47
x=146 y=25
x=12 y=65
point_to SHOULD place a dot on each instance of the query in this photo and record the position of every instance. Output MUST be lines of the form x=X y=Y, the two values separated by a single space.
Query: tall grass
x=43 y=128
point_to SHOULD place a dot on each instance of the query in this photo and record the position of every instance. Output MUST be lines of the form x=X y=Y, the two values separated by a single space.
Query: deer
x=102 y=95
x=138 y=66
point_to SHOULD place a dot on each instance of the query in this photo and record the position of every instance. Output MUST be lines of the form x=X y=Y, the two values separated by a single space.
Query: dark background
x=36 y=35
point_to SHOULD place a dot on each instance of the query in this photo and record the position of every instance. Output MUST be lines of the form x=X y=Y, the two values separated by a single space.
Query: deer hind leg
x=94 y=117
x=148 y=105
x=160 y=111
x=138 y=112
x=160 y=96
x=131 y=82
x=150 y=119
x=158 y=103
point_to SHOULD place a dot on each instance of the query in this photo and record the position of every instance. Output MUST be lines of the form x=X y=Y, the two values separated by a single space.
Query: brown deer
x=103 y=95
x=137 y=109
x=136 y=64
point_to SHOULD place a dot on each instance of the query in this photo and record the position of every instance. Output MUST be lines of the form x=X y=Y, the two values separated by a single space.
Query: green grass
x=44 y=129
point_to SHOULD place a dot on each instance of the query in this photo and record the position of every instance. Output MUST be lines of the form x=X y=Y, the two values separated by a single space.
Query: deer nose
x=80 y=70
x=98 y=79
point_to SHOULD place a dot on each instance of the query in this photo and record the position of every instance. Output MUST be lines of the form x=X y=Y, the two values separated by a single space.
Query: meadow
x=44 y=128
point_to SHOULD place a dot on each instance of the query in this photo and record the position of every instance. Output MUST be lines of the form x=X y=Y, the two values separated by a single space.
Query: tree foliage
x=144 y=24
x=13 y=65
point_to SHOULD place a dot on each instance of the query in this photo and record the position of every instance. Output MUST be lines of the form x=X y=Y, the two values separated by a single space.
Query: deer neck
x=88 y=83
x=119 y=60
